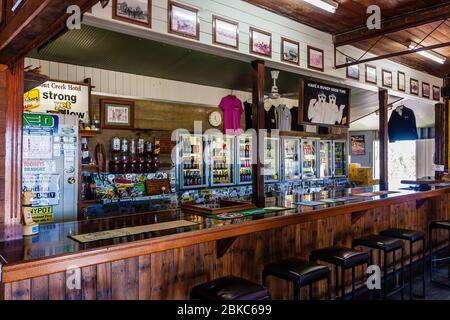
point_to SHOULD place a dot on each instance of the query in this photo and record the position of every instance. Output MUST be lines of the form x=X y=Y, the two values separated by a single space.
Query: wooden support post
x=441 y=139
x=258 y=75
x=11 y=106
x=383 y=127
x=445 y=122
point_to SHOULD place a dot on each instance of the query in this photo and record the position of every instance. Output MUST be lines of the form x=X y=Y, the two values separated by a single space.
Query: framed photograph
x=426 y=90
x=386 y=76
x=358 y=145
x=414 y=84
x=436 y=93
x=225 y=32
x=116 y=114
x=290 y=51
x=133 y=11
x=371 y=74
x=260 y=42
x=353 y=71
x=401 y=81
x=183 y=20
x=315 y=59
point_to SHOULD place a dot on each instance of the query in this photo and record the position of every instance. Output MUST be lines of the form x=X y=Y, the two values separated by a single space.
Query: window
x=376 y=160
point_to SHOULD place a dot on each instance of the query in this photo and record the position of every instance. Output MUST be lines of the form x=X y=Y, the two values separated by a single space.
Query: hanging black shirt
x=294 y=119
x=270 y=119
x=248 y=115
x=402 y=127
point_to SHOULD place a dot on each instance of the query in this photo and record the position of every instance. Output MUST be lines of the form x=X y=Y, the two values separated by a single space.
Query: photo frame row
x=185 y=21
x=387 y=81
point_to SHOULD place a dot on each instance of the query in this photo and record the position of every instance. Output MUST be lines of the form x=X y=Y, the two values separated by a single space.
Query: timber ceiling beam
x=33 y=24
x=402 y=22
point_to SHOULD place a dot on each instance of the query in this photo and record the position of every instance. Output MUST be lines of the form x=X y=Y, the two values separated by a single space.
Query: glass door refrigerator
x=271 y=158
x=291 y=157
x=309 y=159
x=192 y=170
x=244 y=159
x=326 y=159
x=340 y=159
x=221 y=151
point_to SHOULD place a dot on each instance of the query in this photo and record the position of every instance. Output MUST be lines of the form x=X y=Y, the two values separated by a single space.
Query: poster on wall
x=358 y=145
x=41 y=189
x=59 y=97
x=325 y=105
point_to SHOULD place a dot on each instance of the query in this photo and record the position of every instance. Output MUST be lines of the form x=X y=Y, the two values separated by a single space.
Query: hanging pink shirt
x=232 y=111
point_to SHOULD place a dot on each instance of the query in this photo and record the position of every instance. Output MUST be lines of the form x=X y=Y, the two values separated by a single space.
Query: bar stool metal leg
x=423 y=266
x=296 y=292
x=394 y=277
x=430 y=244
x=385 y=275
x=329 y=286
x=336 y=288
x=402 y=271
x=353 y=282
x=411 y=244
x=310 y=291
x=343 y=283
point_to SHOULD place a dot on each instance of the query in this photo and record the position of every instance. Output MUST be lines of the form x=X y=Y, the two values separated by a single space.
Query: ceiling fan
x=275 y=92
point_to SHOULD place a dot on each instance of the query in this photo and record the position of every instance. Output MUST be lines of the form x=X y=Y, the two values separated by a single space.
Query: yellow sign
x=40 y=214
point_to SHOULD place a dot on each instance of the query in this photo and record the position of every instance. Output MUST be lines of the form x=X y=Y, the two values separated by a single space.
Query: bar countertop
x=53 y=242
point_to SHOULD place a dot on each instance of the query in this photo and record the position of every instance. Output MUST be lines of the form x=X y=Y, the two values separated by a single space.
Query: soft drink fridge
x=309 y=159
x=291 y=156
x=192 y=170
x=271 y=160
x=50 y=177
x=340 y=159
x=326 y=159
x=244 y=159
x=222 y=158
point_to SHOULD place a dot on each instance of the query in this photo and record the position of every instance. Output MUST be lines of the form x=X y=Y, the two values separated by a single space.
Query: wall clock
x=215 y=118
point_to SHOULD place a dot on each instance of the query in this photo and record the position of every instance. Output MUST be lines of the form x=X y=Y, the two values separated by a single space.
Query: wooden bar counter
x=167 y=264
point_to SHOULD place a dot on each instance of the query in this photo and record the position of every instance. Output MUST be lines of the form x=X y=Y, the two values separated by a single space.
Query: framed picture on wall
x=133 y=11
x=353 y=71
x=401 y=81
x=116 y=114
x=358 y=145
x=426 y=90
x=436 y=93
x=183 y=20
x=260 y=42
x=316 y=58
x=290 y=51
x=414 y=86
x=371 y=74
x=387 y=78
x=225 y=32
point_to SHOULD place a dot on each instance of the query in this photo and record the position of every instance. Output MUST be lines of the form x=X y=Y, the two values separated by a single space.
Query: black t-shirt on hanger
x=248 y=115
x=270 y=119
x=402 y=126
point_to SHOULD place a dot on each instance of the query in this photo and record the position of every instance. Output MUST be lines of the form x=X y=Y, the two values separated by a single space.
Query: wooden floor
x=433 y=291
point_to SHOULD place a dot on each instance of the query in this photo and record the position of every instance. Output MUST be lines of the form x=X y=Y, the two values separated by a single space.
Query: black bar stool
x=436 y=225
x=412 y=236
x=229 y=288
x=387 y=245
x=300 y=272
x=344 y=258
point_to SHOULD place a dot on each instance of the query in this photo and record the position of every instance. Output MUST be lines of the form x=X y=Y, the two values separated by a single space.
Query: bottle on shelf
x=85 y=157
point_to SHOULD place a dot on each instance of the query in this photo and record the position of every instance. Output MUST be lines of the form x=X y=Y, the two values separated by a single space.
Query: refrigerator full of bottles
x=325 y=159
x=340 y=159
x=291 y=156
x=192 y=169
x=309 y=159
x=271 y=159
x=221 y=150
x=244 y=159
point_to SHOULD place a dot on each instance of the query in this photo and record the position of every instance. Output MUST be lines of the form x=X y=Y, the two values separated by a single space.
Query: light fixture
x=327 y=5
x=427 y=54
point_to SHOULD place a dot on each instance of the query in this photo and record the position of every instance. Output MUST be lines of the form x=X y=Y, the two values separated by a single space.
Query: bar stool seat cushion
x=297 y=270
x=440 y=224
x=405 y=234
x=340 y=256
x=379 y=242
x=230 y=288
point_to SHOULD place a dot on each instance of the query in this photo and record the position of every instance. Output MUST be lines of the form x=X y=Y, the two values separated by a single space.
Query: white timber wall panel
x=112 y=83
x=248 y=16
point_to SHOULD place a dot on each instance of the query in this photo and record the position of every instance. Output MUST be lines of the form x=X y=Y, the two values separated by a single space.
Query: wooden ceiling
x=350 y=18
